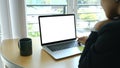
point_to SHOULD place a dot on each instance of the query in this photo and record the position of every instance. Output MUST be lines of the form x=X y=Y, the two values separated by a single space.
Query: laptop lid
x=57 y=28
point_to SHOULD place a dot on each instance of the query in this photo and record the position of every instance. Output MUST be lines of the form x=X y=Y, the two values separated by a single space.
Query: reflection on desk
x=39 y=59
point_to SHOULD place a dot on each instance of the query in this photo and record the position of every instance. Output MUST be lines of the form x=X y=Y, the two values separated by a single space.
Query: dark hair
x=117 y=0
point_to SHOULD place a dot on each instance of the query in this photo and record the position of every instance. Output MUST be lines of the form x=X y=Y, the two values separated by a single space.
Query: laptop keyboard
x=61 y=46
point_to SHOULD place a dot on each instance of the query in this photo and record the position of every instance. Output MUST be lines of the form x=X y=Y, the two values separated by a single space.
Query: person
x=102 y=46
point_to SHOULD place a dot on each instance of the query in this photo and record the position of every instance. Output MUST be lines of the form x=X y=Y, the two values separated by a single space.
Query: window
x=0 y=29
x=88 y=12
x=42 y=7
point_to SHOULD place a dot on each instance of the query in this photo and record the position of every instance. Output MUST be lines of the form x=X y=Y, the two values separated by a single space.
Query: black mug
x=25 y=46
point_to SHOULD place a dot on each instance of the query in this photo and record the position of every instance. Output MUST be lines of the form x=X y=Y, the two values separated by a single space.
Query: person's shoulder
x=114 y=23
x=112 y=26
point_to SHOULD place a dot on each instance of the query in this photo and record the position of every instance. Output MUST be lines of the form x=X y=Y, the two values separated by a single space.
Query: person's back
x=103 y=46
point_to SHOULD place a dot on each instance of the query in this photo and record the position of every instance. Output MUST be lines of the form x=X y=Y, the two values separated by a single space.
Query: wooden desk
x=39 y=59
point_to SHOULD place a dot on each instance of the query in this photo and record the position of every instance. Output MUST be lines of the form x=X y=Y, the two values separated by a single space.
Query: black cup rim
x=25 y=39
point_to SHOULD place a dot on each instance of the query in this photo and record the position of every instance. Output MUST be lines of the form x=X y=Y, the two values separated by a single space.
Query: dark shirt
x=102 y=48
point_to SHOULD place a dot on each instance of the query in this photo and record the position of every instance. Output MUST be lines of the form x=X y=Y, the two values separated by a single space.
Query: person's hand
x=100 y=24
x=82 y=39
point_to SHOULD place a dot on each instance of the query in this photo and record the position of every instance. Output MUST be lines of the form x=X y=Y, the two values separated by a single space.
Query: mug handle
x=19 y=44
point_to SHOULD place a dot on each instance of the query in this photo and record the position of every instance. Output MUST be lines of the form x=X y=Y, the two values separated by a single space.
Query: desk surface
x=39 y=58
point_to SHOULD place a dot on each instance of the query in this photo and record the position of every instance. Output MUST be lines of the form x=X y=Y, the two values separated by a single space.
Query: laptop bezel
x=59 y=40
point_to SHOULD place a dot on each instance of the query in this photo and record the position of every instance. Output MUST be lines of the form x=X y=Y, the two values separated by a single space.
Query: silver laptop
x=58 y=35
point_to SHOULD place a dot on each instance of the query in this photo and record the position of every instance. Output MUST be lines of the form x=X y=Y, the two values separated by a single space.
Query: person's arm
x=99 y=53
x=90 y=41
x=84 y=61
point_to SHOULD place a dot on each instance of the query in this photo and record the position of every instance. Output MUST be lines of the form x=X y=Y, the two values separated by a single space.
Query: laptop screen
x=55 y=28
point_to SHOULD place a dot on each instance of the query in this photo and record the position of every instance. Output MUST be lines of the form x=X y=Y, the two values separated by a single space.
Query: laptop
x=58 y=35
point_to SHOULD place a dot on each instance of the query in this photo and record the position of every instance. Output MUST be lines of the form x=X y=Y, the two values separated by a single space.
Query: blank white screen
x=57 y=28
